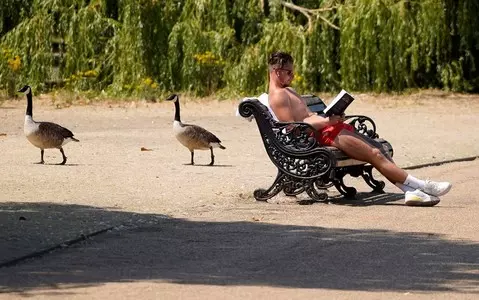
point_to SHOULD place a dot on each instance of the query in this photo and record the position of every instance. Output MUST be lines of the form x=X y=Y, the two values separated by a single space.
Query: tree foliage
x=147 y=47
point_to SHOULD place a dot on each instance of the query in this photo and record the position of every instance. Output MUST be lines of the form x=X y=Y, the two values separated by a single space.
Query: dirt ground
x=195 y=232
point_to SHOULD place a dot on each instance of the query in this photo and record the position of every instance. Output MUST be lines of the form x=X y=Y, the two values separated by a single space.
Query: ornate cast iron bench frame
x=303 y=164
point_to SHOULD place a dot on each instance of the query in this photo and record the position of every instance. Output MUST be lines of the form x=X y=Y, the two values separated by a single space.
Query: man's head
x=281 y=68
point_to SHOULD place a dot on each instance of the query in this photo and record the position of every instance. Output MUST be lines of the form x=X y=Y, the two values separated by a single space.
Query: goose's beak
x=172 y=97
x=23 y=89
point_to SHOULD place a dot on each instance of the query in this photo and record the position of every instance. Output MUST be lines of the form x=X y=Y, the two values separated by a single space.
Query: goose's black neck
x=29 y=104
x=177 y=110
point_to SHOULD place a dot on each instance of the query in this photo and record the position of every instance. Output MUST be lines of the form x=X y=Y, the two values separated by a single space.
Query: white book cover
x=339 y=104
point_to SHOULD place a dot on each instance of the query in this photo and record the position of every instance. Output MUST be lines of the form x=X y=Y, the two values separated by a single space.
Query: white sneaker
x=419 y=198
x=436 y=188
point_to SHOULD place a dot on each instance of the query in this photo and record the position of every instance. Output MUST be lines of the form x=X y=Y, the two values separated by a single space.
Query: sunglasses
x=288 y=71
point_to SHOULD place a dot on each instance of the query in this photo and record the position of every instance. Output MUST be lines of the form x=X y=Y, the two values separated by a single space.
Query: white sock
x=414 y=183
x=404 y=188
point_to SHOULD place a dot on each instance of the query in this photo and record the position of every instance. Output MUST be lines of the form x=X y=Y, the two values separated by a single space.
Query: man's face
x=285 y=74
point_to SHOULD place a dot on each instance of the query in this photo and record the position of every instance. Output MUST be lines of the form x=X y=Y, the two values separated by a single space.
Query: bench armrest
x=363 y=124
x=296 y=136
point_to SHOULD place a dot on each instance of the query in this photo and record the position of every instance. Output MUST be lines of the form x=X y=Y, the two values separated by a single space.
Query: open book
x=339 y=104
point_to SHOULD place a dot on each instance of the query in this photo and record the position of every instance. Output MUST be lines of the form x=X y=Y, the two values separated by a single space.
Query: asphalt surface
x=171 y=231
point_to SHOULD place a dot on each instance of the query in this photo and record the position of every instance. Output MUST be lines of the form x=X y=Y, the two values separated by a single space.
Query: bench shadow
x=153 y=247
x=371 y=198
x=361 y=199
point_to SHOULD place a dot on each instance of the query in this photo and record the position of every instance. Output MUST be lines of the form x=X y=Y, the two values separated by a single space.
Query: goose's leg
x=64 y=157
x=41 y=157
x=212 y=157
x=192 y=156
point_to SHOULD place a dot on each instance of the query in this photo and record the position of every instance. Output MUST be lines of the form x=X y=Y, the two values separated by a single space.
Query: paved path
x=182 y=232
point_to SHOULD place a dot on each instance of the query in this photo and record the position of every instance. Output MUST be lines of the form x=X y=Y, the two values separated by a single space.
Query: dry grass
x=63 y=99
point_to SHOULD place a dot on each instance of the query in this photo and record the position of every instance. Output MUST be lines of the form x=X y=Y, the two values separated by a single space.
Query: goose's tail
x=222 y=147
x=74 y=139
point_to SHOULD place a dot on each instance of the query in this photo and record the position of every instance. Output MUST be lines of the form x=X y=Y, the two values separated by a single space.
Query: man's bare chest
x=298 y=108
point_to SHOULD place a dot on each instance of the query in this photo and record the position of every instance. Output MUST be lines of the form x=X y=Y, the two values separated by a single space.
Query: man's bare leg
x=375 y=144
x=378 y=145
x=355 y=147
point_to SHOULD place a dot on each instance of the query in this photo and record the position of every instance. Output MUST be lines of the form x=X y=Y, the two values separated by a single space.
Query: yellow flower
x=14 y=63
x=148 y=81
x=298 y=79
x=90 y=73
x=207 y=58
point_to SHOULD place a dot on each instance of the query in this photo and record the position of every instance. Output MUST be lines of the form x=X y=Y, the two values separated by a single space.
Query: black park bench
x=303 y=164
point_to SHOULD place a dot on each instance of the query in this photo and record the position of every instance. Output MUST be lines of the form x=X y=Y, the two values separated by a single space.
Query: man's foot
x=436 y=188
x=419 y=198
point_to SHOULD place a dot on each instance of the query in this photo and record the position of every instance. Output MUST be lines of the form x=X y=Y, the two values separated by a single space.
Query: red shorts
x=329 y=133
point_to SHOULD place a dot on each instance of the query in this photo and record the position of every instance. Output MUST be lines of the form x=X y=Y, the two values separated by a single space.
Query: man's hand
x=335 y=119
x=317 y=121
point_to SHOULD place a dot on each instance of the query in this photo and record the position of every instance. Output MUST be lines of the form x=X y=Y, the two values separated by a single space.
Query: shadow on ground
x=28 y=227
x=371 y=198
x=360 y=199
x=248 y=253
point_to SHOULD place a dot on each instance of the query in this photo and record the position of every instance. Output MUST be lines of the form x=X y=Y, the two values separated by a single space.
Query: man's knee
x=376 y=154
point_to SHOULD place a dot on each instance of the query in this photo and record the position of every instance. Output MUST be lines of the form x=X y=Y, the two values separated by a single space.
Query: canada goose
x=193 y=136
x=44 y=135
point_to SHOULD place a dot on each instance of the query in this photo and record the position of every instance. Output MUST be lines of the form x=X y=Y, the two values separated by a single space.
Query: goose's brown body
x=46 y=135
x=193 y=137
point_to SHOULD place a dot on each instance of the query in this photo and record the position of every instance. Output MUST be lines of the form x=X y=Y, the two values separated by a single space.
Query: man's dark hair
x=278 y=59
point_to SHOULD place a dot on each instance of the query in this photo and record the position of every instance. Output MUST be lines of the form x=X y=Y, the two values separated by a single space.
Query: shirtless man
x=288 y=107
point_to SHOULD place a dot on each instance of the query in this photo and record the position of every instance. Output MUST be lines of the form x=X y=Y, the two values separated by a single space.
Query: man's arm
x=319 y=122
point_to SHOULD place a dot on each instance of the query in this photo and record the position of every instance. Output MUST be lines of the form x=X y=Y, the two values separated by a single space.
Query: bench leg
x=317 y=191
x=346 y=191
x=273 y=190
x=377 y=185
x=365 y=171
x=292 y=187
